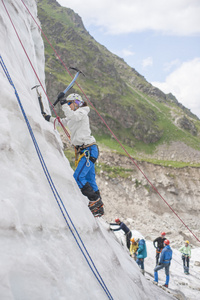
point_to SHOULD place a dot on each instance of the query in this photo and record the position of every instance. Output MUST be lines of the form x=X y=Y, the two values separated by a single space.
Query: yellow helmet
x=133 y=240
x=187 y=242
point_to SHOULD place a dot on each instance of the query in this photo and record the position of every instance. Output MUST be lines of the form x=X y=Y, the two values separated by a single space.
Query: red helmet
x=117 y=220
x=163 y=233
x=166 y=242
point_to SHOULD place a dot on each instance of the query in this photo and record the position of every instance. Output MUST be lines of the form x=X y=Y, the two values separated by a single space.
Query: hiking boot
x=142 y=271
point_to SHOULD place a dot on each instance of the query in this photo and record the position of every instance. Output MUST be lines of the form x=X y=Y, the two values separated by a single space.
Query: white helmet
x=75 y=98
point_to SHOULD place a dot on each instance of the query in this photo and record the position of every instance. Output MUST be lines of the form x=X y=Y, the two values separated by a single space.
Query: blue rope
x=54 y=190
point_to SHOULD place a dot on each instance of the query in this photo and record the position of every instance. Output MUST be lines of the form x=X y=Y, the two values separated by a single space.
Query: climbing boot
x=99 y=212
x=95 y=203
x=94 y=206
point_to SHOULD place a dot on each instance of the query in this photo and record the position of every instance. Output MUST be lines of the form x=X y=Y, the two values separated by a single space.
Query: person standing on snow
x=165 y=260
x=76 y=118
x=126 y=230
x=159 y=245
x=186 y=255
x=134 y=248
x=141 y=254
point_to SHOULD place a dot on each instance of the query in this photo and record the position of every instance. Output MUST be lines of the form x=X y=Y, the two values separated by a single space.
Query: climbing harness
x=159 y=250
x=155 y=189
x=85 y=153
x=57 y=197
x=78 y=160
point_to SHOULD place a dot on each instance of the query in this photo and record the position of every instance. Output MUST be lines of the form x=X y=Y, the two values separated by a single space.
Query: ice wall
x=39 y=256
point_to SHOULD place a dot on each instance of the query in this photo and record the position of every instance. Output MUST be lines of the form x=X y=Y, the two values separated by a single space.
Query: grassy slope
x=109 y=78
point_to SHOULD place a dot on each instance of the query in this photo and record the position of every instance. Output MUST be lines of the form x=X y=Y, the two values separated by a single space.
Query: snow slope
x=185 y=285
x=182 y=286
x=40 y=258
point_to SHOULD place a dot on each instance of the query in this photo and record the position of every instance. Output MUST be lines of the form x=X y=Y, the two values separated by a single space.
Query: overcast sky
x=159 y=38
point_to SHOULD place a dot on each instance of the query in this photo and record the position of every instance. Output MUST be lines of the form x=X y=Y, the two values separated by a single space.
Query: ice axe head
x=36 y=86
x=77 y=70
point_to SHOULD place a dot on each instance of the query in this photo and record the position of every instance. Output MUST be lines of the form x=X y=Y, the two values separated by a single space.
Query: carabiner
x=87 y=156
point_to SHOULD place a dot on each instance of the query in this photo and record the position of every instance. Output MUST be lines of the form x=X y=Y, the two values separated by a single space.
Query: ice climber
x=165 y=260
x=126 y=230
x=159 y=245
x=76 y=119
x=141 y=254
x=186 y=255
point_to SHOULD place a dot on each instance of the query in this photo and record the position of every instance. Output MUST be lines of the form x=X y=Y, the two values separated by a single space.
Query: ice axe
x=39 y=98
x=62 y=94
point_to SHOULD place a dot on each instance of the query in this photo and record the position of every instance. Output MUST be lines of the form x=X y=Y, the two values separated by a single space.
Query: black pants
x=157 y=256
x=128 y=237
x=185 y=260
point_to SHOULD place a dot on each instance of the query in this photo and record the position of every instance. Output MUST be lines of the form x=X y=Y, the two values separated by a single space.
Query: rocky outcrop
x=188 y=125
x=176 y=151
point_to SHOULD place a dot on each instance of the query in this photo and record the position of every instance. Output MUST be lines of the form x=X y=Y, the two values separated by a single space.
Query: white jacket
x=78 y=124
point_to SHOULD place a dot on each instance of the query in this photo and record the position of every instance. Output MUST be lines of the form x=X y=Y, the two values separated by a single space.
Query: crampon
x=96 y=207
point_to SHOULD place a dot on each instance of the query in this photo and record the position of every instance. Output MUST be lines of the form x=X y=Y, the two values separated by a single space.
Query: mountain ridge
x=141 y=116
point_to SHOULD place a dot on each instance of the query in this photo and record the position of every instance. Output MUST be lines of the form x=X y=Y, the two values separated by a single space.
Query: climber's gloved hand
x=64 y=101
x=47 y=117
x=60 y=96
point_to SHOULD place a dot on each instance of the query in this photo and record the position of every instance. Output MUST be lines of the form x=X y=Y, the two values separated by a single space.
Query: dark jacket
x=122 y=226
x=160 y=242
x=166 y=255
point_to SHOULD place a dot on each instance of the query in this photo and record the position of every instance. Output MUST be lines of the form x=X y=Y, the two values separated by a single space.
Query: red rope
x=105 y=124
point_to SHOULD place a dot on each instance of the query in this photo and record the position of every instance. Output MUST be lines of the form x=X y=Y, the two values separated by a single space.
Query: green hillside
x=140 y=115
